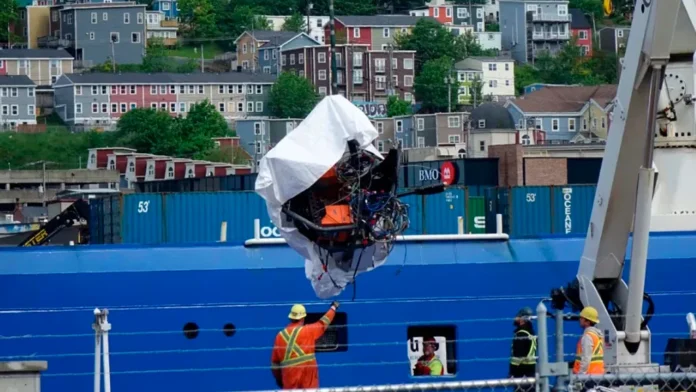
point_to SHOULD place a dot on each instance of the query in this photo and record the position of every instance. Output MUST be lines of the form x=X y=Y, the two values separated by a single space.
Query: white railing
x=542 y=17
x=460 y=236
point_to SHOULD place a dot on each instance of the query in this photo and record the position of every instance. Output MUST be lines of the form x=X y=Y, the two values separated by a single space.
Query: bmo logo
x=446 y=175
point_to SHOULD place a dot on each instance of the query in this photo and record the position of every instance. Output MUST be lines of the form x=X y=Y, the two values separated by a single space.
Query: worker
x=590 y=352
x=524 y=346
x=293 y=363
x=429 y=364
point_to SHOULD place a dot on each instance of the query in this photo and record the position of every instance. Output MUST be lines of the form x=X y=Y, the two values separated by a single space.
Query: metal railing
x=545 y=17
x=546 y=35
x=53 y=42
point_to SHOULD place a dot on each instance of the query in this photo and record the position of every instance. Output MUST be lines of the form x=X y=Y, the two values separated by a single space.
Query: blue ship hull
x=152 y=292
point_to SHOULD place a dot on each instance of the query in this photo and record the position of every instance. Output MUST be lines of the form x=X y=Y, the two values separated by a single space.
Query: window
x=104 y=108
x=321 y=57
x=420 y=124
x=257 y=128
x=380 y=65
x=562 y=10
x=453 y=138
x=163 y=90
x=140 y=18
x=30 y=110
x=322 y=74
x=283 y=59
x=250 y=107
x=492 y=67
x=153 y=105
x=30 y=92
x=482 y=124
x=259 y=89
x=15 y=110
x=408 y=63
x=385 y=32
x=78 y=108
x=292 y=59
x=14 y=91
x=322 y=91
x=191 y=89
x=259 y=107
x=201 y=89
x=493 y=83
x=555 y=125
x=448 y=12
x=275 y=54
x=620 y=33
x=182 y=107
x=421 y=142
x=240 y=107
x=380 y=146
x=135 y=38
x=221 y=106
x=265 y=54
x=250 y=89
x=356 y=32
x=114 y=108
x=133 y=105
x=300 y=73
x=114 y=90
x=399 y=126
x=479 y=14
x=395 y=63
x=380 y=82
x=94 y=18
x=539 y=124
x=357 y=76
x=123 y=90
x=604 y=123
x=395 y=80
x=95 y=108
x=380 y=127
x=585 y=50
x=300 y=58
x=482 y=145
x=461 y=13
x=436 y=12
x=105 y=16
x=267 y=70
x=126 y=18
x=507 y=66
x=5 y=110
x=244 y=48
x=571 y=125
x=104 y=90
x=408 y=80
x=357 y=59
x=453 y=122
x=582 y=34
x=115 y=38
x=408 y=97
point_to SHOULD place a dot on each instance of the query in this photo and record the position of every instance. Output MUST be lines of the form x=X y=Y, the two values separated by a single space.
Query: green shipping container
x=476 y=215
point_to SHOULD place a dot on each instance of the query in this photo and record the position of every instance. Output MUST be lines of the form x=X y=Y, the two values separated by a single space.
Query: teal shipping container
x=105 y=220
x=415 y=214
x=572 y=209
x=443 y=211
x=530 y=211
x=143 y=219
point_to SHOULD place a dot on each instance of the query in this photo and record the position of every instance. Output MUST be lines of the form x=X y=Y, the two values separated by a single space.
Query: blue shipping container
x=415 y=214
x=530 y=211
x=111 y=220
x=197 y=217
x=143 y=219
x=572 y=208
x=96 y=224
x=443 y=210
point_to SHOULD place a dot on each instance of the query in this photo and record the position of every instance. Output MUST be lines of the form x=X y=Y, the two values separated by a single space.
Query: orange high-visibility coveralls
x=293 y=358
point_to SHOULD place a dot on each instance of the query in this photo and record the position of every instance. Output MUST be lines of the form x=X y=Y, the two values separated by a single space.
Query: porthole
x=229 y=330
x=191 y=330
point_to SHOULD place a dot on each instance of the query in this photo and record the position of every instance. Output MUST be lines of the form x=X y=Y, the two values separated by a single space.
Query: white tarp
x=296 y=163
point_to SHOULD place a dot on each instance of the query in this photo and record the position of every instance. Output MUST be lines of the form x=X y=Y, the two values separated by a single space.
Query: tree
x=9 y=14
x=476 y=89
x=397 y=107
x=296 y=23
x=430 y=86
x=292 y=96
x=155 y=59
x=229 y=154
x=148 y=131
x=202 y=123
x=524 y=76
x=589 y=7
x=199 y=17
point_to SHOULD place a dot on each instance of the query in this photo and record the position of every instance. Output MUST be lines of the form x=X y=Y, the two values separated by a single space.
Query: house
x=595 y=121
x=394 y=131
x=268 y=59
x=258 y=135
x=538 y=86
x=95 y=33
x=420 y=11
x=363 y=74
x=98 y=158
x=158 y=26
x=32 y=23
x=445 y=11
x=465 y=77
x=42 y=66
x=17 y=101
x=561 y=111
x=377 y=31
x=614 y=39
x=492 y=11
x=581 y=29
x=530 y=27
x=497 y=75
x=492 y=125
x=102 y=98
x=440 y=129
x=170 y=8
x=469 y=15
x=250 y=41
x=316 y=25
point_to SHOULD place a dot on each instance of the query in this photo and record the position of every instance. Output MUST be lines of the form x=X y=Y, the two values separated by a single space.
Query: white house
x=498 y=75
x=316 y=23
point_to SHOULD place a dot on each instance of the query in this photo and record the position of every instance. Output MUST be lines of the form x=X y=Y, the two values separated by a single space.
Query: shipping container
x=443 y=211
x=415 y=214
x=583 y=170
x=143 y=219
x=530 y=211
x=112 y=219
x=476 y=215
x=462 y=172
x=198 y=217
x=238 y=182
x=572 y=209
x=497 y=202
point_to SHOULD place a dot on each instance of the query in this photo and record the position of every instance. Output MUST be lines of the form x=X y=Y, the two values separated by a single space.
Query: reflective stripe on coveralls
x=596 y=365
x=530 y=359
x=293 y=348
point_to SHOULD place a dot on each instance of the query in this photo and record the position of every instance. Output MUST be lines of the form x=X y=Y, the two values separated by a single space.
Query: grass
x=210 y=50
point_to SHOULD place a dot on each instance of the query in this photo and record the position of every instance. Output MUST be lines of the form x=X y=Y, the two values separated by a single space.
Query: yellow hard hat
x=298 y=312
x=590 y=314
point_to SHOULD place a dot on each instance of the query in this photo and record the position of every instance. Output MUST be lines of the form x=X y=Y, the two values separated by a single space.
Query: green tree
x=397 y=107
x=589 y=7
x=199 y=18
x=296 y=23
x=149 y=131
x=229 y=154
x=155 y=59
x=356 y=7
x=9 y=14
x=292 y=96
x=430 y=85
x=195 y=132
x=524 y=76
x=476 y=89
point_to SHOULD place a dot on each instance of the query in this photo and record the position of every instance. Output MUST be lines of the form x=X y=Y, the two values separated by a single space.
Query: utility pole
x=202 y=60
x=253 y=47
x=350 y=60
x=113 y=56
x=390 y=82
x=448 y=80
x=309 y=9
x=334 y=71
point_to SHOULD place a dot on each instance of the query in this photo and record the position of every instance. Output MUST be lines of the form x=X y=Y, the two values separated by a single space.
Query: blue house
x=169 y=7
x=269 y=52
x=564 y=113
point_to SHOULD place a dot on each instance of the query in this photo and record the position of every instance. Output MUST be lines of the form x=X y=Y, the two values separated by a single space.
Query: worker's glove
x=334 y=305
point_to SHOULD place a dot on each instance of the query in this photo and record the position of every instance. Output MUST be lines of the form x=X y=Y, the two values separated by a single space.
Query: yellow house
x=595 y=117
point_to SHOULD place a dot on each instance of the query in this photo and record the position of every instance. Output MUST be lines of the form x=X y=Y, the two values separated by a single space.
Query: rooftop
x=268 y=35
x=168 y=78
x=565 y=99
x=380 y=20
x=15 y=80
x=35 y=54
x=578 y=20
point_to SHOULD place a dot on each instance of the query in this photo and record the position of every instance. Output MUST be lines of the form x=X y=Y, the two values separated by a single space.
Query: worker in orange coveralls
x=292 y=362
x=429 y=364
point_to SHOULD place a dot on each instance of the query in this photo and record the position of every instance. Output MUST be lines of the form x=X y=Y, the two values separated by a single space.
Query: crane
x=652 y=127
